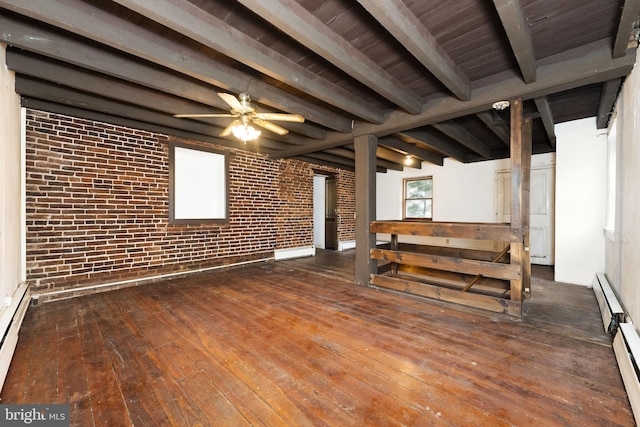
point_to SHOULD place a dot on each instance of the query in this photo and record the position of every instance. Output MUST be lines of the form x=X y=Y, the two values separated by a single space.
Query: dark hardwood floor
x=297 y=343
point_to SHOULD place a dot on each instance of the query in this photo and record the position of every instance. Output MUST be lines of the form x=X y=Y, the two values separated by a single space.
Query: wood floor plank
x=282 y=396
x=42 y=382
x=455 y=350
x=107 y=403
x=276 y=315
x=488 y=379
x=326 y=367
x=134 y=371
x=296 y=343
x=192 y=361
x=72 y=388
x=290 y=359
x=387 y=376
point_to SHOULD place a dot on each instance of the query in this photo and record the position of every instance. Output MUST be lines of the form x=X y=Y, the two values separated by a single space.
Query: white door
x=542 y=198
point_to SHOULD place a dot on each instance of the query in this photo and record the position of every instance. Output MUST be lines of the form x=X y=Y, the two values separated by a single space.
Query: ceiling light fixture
x=501 y=105
x=408 y=160
x=244 y=131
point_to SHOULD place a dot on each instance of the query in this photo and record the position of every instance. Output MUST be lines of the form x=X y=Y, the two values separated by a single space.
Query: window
x=418 y=198
x=198 y=187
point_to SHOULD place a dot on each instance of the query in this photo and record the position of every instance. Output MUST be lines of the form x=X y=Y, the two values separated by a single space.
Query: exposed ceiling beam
x=628 y=17
x=501 y=153
x=389 y=165
x=416 y=38
x=417 y=152
x=517 y=29
x=386 y=162
x=94 y=23
x=320 y=162
x=331 y=159
x=30 y=37
x=607 y=99
x=429 y=138
x=95 y=84
x=342 y=152
x=335 y=165
x=393 y=156
x=35 y=38
x=294 y=20
x=319 y=159
x=189 y=20
x=464 y=137
x=58 y=94
x=555 y=74
x=493 y=122
x=119 y=90
x=542 y=104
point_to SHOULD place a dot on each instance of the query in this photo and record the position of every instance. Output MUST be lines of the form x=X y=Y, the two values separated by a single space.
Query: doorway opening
x=325 y=207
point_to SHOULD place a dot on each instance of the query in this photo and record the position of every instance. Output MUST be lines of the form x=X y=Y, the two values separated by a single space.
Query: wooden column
x=526 y=207
x=520 y=189
x=366 y=147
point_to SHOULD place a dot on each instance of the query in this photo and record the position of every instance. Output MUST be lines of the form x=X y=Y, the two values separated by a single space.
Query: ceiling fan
x=245 y=113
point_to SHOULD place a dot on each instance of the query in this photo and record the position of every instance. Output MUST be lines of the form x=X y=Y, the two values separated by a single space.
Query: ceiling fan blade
x=227 y=131
x=182 y=116
x=297 y=118
x=233 y=102
x=271 y=126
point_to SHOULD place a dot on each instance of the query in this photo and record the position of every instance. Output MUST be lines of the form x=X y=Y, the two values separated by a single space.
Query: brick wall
x=97 y=206
x=346 y=184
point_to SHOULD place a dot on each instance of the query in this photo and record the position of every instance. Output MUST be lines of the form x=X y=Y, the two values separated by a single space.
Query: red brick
x=98 y=199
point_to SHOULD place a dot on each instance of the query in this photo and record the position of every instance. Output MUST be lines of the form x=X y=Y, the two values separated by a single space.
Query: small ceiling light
x=501 y=105
x=408 y=160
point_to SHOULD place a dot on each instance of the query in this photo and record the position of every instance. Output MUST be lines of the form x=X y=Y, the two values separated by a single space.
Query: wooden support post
x=526 y=205
x=365 y=147
x=520 y=187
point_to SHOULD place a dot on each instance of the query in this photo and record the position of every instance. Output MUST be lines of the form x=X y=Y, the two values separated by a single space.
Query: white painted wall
x=623 y=245
x=581 y=171
x=13 y=294
x=462 y=192
x=10 y=183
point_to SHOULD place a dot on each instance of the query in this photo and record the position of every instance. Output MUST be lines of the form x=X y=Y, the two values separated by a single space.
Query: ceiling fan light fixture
x=245 y=132
x=244 y=113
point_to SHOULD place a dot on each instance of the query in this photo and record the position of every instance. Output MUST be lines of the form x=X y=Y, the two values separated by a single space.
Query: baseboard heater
x=626 y=346
x=626 y=342
x=11 y=316
x=610 y=308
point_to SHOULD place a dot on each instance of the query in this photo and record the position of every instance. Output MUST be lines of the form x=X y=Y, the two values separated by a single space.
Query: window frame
x=208 y=165
x=404 y=198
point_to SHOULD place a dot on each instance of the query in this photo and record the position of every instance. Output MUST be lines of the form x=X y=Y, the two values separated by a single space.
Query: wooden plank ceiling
x=421 y=75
